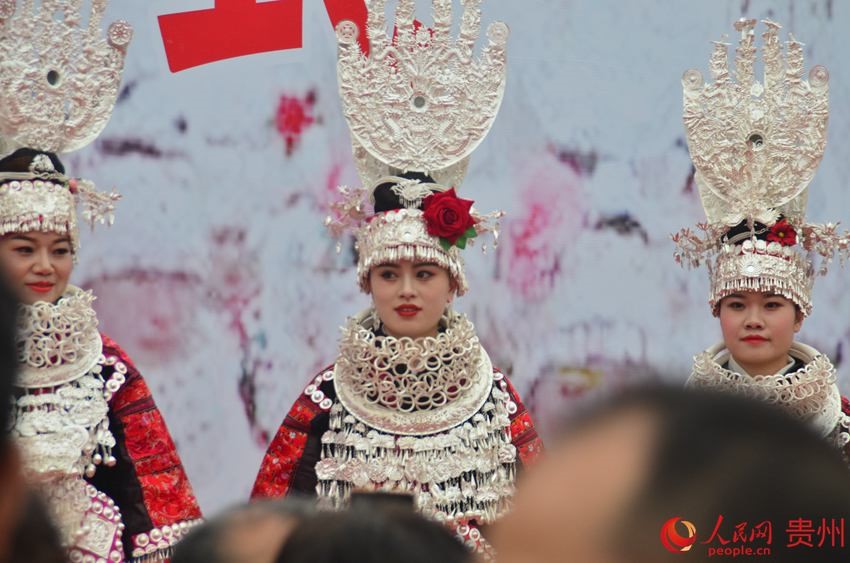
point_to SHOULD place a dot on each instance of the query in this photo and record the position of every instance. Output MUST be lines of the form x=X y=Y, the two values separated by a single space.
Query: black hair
x=387 y=200
x=20 y=160
x=378 y=533
x=746 y=231
x=759 y=230
x=203 y=543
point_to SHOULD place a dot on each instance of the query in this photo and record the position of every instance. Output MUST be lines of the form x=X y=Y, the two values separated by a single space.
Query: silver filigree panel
x=755 y=145
x=59 y=78
x=422 y=101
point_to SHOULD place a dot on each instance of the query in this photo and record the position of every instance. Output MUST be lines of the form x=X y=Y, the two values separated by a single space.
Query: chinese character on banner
x=739 y=534
x=832 y=529
x=236 y=28
x=715 y=535
x=762 y=531
x=800 y=533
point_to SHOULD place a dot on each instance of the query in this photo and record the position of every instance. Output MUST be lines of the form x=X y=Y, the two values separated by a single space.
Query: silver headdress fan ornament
x=59 y=81
x=420 y=102
x=756 y=147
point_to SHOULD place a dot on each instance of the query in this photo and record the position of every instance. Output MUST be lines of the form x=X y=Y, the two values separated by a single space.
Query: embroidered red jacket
x=290 y=461
x=148 y=482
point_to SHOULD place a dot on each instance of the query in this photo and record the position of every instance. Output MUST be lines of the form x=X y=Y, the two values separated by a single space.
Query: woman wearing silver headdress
x=412 y=403
x=93 y=442
x=756 y=147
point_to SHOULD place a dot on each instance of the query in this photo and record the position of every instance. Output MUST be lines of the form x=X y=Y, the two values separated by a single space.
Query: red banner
x=237 y=28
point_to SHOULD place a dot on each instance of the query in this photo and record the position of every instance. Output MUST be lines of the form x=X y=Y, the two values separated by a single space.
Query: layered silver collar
x=809 y=393
x=412 y=386
x=58 y=342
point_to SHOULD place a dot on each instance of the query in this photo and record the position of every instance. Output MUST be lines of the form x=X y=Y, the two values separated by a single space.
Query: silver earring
x=375 y=321
x=447 y=316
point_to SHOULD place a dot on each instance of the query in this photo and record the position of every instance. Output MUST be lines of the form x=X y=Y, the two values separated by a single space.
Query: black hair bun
x=742 y=231
x=387 y=200
x=20 y=160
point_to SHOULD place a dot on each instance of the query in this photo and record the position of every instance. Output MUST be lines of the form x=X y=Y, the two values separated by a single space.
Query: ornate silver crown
x=59 y=80
x=421 y=101
x=756 y=146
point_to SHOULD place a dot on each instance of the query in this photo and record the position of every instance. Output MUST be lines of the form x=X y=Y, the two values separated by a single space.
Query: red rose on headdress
x=783 y=233
x=448 y=217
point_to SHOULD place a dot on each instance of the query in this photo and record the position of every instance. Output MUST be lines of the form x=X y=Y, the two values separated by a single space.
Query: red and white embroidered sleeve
x=168 y=505
x=523 y=434
x=286 y=450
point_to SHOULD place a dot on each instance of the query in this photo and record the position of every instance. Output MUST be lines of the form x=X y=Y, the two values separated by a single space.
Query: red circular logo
x=673 y=541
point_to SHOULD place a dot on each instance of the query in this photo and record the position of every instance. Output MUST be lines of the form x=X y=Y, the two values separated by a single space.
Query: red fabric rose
x=447 y=217
x=783 y=233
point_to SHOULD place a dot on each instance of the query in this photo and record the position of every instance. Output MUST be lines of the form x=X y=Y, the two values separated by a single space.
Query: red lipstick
x=754 y=339
x=407 y=310
x=41 y=287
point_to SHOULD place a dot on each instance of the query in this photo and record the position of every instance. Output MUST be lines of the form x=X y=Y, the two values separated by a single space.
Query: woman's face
x=37 y=265
x=410 y=297
x=758 y=329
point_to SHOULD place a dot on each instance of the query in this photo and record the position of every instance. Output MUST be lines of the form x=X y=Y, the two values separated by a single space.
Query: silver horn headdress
x=59 y=81
x=756 y=146
x=417 y=106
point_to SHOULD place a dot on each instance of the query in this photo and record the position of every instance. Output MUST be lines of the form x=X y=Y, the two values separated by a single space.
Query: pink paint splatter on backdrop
x=151 y=313
x=235 y=279
x=332 y=183
x=293 y=117
x=234 y=284
x=340 y=172
x=148 y=312
x=551 y=216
